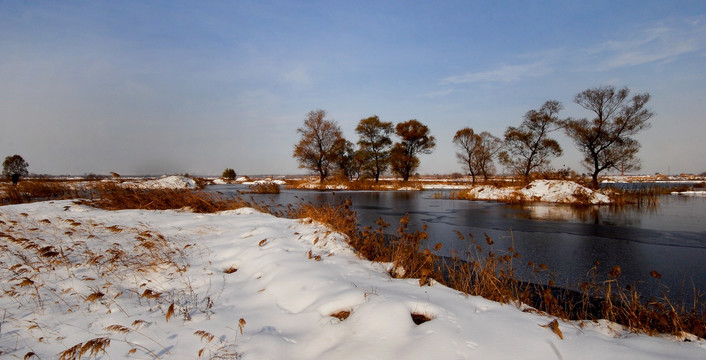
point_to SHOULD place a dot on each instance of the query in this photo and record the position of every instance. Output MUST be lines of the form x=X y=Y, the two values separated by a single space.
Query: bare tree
x=476 y=151
x=374 y=145
x=415 y=139
x=489 y=147
x=14 y=167
x=606 y=140
x=528 y=147
x=318 y=148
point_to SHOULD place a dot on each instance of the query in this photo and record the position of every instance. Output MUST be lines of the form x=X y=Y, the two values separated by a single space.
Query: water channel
x=669 y=238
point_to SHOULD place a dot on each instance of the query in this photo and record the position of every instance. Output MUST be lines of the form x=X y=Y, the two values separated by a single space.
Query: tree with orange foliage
x=320 y=144
x=415 y=139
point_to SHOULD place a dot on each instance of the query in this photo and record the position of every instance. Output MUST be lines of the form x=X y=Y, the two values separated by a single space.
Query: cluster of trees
x=606 y=141
x=323 y=149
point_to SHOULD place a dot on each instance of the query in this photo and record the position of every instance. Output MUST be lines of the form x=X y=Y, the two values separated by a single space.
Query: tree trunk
x=594 y=180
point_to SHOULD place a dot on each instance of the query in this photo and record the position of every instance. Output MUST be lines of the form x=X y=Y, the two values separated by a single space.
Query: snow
x=265 y=181
x=555 y=191
x=165 y=182
x=291 y=276
x=690 y=193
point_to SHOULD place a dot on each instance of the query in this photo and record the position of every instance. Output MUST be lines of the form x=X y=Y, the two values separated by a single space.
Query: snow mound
x=555 y=191
x=265 y=181
x=166 y=182
x=562 y=191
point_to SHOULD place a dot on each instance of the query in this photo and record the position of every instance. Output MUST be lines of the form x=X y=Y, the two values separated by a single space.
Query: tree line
x=605 y=140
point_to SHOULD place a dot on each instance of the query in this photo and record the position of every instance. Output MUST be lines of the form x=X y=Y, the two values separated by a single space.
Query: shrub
x=228 y=174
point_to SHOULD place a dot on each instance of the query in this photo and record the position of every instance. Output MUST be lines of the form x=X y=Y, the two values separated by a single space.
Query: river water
x=669 y=238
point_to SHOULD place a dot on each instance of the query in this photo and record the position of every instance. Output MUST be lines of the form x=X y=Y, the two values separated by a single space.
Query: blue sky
x=153 y=87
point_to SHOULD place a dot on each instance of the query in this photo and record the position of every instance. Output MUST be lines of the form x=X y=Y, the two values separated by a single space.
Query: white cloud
x=664 y=43
x=505 y=73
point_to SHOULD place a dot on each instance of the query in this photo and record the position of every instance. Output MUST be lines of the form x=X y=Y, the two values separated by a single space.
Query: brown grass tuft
x=151 y=294
x=341 y=315
x=71 y=353
x=170 y=313
x=554 y=326
x=94 y=346
x=95 y=296
x=241 y=325
x=204 y=335
x=137 y=324
x=118 y=329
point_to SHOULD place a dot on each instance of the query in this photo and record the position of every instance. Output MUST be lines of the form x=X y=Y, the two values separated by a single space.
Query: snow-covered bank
x=283 y=278
x=556 y=191
x=164 y=182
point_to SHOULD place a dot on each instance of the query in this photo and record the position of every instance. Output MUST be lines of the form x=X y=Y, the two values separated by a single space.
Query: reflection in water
x=607 y=215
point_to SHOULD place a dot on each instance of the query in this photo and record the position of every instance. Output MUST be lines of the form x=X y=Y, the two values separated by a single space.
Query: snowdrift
x=555 y=191
x=165 y=182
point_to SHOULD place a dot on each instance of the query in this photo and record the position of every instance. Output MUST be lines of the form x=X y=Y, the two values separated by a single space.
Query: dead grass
x=38 y=190
x=341 y=315
x=102 y=269
x=265 y=188
x=111 y=196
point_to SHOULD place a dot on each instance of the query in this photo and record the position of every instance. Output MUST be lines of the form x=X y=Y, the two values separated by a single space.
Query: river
x=669 y=238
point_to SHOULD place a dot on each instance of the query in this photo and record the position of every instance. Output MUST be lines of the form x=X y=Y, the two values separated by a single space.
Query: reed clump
x=112 y=196
x=265 y=188
x=38 y=190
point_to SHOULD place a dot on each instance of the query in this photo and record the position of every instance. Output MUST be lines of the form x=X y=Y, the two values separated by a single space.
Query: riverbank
x=174 y=284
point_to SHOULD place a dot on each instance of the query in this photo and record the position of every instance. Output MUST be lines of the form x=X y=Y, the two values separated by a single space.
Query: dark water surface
x=669 y=238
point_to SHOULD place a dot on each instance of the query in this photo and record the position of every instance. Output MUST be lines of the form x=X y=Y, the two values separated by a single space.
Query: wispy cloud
x=505 y=74
x=436 y=94
x=664 y=44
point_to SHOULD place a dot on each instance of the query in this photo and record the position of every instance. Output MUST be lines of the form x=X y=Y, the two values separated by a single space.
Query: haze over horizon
x=166 y=87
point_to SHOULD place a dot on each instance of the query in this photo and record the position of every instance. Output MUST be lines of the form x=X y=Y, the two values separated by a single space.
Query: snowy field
x=178 y=285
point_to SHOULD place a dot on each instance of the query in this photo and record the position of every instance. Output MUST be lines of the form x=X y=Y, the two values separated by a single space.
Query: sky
x=167 y=87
